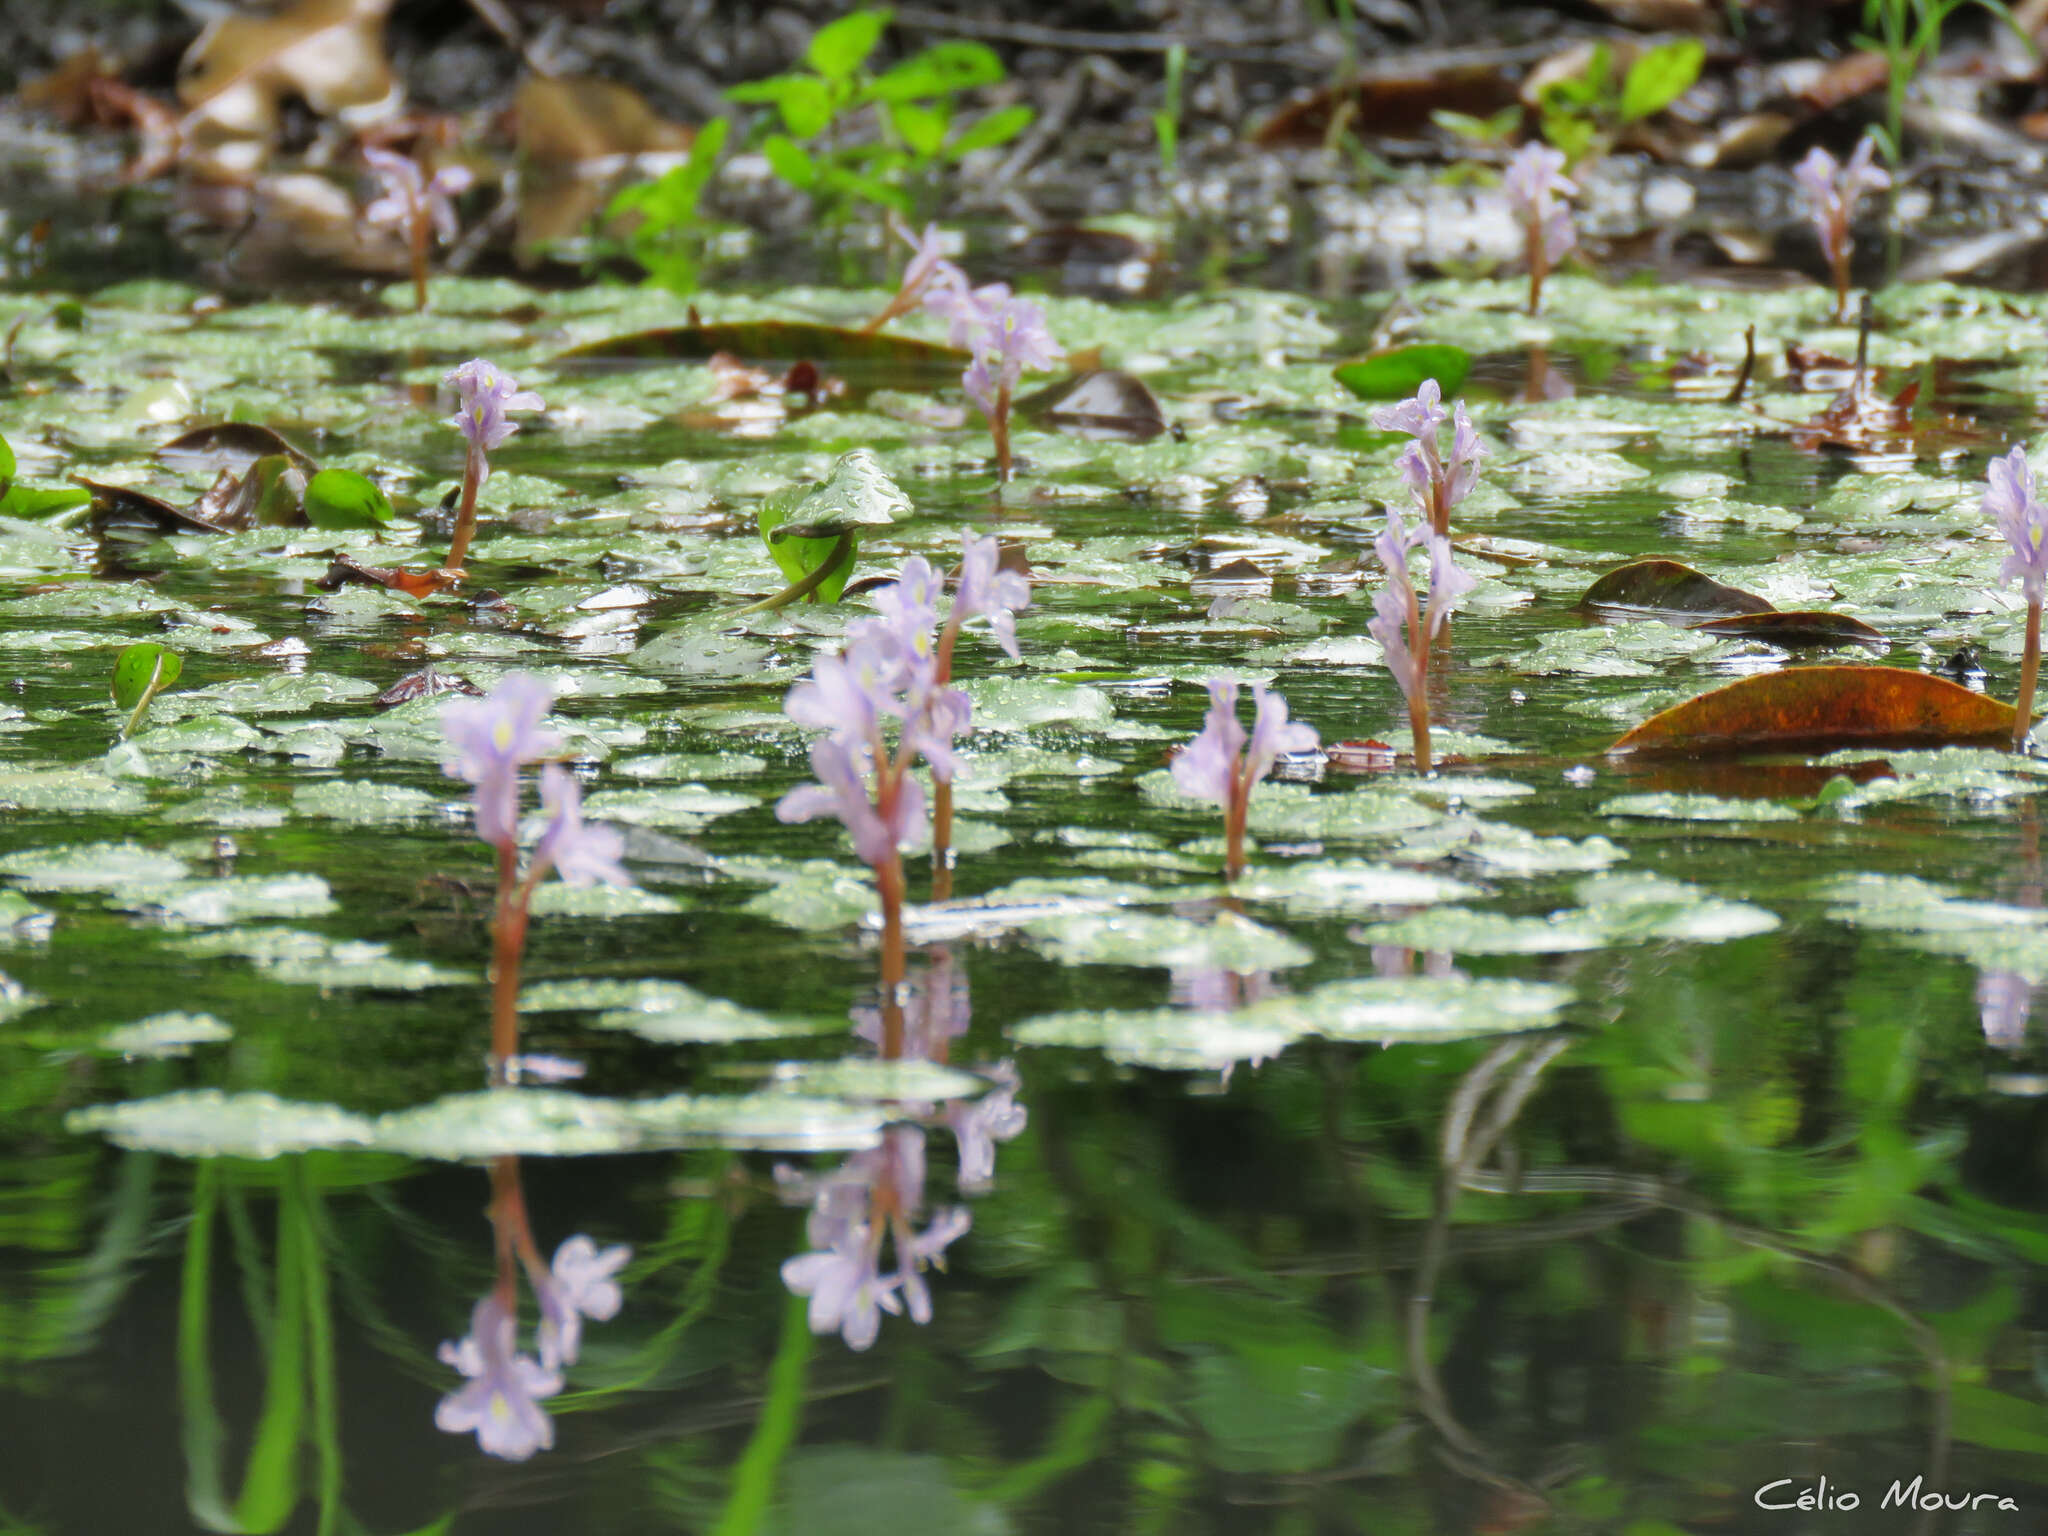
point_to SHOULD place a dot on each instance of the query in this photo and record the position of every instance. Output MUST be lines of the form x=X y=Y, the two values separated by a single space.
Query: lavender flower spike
x=580 y=1284
x=847 y=1291
x=1206 y=768
x=987 y=590
x=580 y=854
x=842 y=791
x=1437 y=487
x=1273 y=735
x=408 y=195
x=1536 y=185
x=484 y=393
x=1832 y=190
x=493 y=738
x=500 y=1401
x=2012 y=502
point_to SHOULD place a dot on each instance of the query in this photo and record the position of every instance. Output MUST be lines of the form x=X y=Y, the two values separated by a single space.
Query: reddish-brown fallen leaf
x=344 y=571
x=1820 y=706
x=1853 y=75
x=425 y=684
x=1396 y=105
x=1804 y=626
x=1359 y=756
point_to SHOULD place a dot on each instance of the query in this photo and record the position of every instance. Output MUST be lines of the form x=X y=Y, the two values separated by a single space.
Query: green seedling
x=141 y=672
x=341 y=498
x=1166 y=122
x=1583 y=114
x=1908 y=34
x=669 y=229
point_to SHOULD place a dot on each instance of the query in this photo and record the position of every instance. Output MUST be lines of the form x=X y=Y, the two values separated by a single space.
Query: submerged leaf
x=1801 y=627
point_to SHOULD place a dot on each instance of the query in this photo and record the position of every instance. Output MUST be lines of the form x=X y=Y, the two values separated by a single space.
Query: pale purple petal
x=1392 y=605
x=1206 y=768
x=1273 y=735
x=1447 y=583
x=499 y=1401
x=1418 y=417
x=580 y=854
x=484 y=393
x=493 y=737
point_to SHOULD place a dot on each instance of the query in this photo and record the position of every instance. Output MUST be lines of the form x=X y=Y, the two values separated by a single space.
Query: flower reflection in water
x=880 y=1193
x=500 y=1401
x=2004 y=999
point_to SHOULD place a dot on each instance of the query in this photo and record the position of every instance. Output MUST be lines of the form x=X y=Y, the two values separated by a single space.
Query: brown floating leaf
x=572 y=118
x=344 y=572
x=425 y=684
x=1801 y=627
x=1665 y=586
x=233 y=445
x=1107 y=403
x=117 y=507
x=1823 y=706
x=879 y=357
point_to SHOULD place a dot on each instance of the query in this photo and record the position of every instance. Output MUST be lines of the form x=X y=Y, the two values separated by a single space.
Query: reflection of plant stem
x=1234 y=817
x=889 y=882
x=2030 y=667
x=473 y=472
x=942 y=838
x=760 y=1464
x=999 y=429
x=508 y=943
x=1532 y=246
x=838 y=555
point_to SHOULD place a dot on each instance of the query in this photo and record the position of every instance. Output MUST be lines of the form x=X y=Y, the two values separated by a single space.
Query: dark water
x=1753 y=1213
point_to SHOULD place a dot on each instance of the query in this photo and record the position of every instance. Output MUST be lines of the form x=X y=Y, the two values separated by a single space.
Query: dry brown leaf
x=572 y=118
x=330 y=53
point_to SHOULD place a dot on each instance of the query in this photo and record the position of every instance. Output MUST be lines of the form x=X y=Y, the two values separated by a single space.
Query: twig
x=1748 y=364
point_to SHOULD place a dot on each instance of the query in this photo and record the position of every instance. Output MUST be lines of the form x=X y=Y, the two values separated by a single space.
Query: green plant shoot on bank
x=1908 y=34
x=914 y=114
x=668 y=236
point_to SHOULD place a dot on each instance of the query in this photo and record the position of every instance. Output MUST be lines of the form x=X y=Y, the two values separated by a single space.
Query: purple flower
x=1535 y=183
x=910 y=603
x=500 y=1401
x=848 y=1293
x=1832 y=191
x=965 y=309
x=842 y=791
x=408 y=195
x=1392 y=608
x=926 y=1247
x=847 y=694
x=1206 y=768
x=1419 y=417
x=580 y=854
x=2012 y=503
x=988 y=591
x=1447 y=583
x=2004 y=998
x=1010 y=341
x=1273 y=736
x=493 y=737
x=1401 y=624
x=936 y=1009
x=484 y=393
x=1437 y=487
x=580 y=1284
x=979 y=1124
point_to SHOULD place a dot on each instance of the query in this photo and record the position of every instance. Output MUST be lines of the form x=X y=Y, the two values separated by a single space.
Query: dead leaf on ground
x=1397 y=106
x=346 y=572
x=1823 y=706
x=121 y=509
x=1853 y=75
x=573 y=118
x=426 y=683
x=237 y=73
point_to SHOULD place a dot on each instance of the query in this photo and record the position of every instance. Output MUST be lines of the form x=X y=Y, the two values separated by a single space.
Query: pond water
x=1563 y=1142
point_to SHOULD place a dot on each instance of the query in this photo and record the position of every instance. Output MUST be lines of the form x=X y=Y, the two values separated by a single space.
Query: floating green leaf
x=341 y=498
x=1397 y=372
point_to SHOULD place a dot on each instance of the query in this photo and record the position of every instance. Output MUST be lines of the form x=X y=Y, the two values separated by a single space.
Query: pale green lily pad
x=710 y=1021
x=234 y=899
x=1024 y=703
x=689 y=766
x=1681 y=807
x=1169 y=1039
x=1346 y=885
x=507 y=1122
x=92 y=867
x=1462 y=931
x=364 y=802
x=1230 y=942
x=166 y=1034
x=1499 y=848
x=689 y=807
x=208 y=1123
x=1390 y=1009
x=70 y=789
x=1634 y=907
x=813 y=894
x=649 y=995
x=310 y=959
x=864 y=1079
x=555 y=899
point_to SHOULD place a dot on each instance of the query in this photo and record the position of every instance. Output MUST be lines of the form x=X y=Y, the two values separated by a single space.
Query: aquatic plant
x=2010 y=501
x=1008 y=338
x=1581 y=114
x=669 y=229
x=1907 y=33
x=927 y=263
x=484 y=393
x=872 y=1195
x=1437 y=486
x=1536 y=185
x=500 y=1400
x=495 y=737
x=419 y=207
x=1222 y=765
x=1832 y=189
x=1403 y=626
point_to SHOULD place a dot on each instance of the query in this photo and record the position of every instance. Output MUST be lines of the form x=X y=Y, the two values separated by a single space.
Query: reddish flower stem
x=509 y=1227
x=1234 y=817
x=889 y=881
x=421 y=225
x=508 y=943
x=1532 y=246
x=999 y=428
x=473 y=471
x=942 y=838
x=2030 y=667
